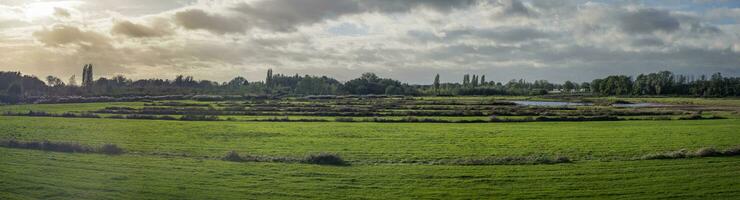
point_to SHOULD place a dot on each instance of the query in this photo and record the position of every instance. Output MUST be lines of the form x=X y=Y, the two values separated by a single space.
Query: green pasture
x=383 y=142
x=31 y=174
x=172 y=159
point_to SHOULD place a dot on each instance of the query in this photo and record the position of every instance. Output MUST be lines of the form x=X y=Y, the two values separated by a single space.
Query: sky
x=409 y=40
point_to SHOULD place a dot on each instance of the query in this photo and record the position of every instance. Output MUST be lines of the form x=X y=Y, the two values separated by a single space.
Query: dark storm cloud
x=61 y=13
x=130 y=29
x=515 y=8
x=698 y=27
x=499 y=34
x=197 y=19
x=403 y=6
x=648 y=20
x=647 y=41
x=406 y=39
x=61 y=35
x=287 y=15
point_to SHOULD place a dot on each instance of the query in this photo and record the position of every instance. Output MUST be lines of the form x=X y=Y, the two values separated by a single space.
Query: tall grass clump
x=232 y=156
x=110 y=149
x=514 y=160
x=66 y=147
x=344 y=119
x=199 y=118
x=325 y=159
x=701 y=152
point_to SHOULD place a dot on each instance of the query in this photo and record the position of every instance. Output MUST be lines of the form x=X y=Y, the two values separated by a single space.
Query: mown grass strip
x=66 y=147
x=319 y=159
x=701 y=152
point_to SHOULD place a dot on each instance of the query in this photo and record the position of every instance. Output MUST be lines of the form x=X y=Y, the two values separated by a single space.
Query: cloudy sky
x=409 y=40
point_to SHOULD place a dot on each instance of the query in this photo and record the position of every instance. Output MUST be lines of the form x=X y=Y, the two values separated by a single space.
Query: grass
x=167 y=159
x=67 y=147
x=44 y=175
x=71 y=107
x=701 y=152
x=381 y=142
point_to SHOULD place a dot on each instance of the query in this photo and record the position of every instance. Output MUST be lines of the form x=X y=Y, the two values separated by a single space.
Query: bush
x=515 y=160
x=344 y=119
x=232 y=156
x=707 y=152
x=691 y=117
x=64 y=147
x=701 y=152
x=667 y=155
x=111 y=149
x=699 y=117
x=199 y=118
x=325 y=159
x=735 y=151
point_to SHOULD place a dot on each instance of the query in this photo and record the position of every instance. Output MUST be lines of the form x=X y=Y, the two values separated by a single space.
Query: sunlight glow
x=39 y=10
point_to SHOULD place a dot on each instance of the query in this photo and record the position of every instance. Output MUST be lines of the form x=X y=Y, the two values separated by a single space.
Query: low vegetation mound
x=232 y=156
x=318 y=159
x=325 y=159
x=66 y=147
x=110 y=149
x=701 y=152
x=514 y=160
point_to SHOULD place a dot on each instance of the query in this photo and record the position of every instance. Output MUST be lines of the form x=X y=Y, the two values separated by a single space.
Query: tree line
x=667 y=83
x=14 y=86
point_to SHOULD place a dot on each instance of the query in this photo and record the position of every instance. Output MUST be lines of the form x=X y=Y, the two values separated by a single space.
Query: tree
x=436 y=83
x=268 y=80
x=370 y=83
x=640 y=85
x=237 y=82
x=72 y=81
x=466 y=80
x=393 y=90
x=14 y=93
x=596 y=85
x=483 y=80
x=87 y=75
x=568 y=86
x=663 y=82
x=615 y=85
x=586 y=86
x=54 y=81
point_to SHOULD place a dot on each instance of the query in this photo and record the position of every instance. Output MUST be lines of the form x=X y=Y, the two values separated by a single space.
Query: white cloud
x=409 y=40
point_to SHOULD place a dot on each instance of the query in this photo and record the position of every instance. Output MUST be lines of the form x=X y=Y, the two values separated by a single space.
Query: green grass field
x=172 y=159
x=379 y=142
x=44 y=175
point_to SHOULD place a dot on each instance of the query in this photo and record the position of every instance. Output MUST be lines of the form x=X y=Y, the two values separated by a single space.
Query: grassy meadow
x=182 y=159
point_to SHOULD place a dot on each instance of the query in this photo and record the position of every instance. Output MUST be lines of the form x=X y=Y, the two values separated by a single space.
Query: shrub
x=64 y=147
x=67 y=147
x=734 y=151
x=199 y=118
x=514 y=160
x=691 y=117
x=562 y=159
x=232 y=156
x=667 y=155
x=699 y=117
x=701 y=152
x=111 y=149
x=344 y=119
x=325 y=159
x=707 y=152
